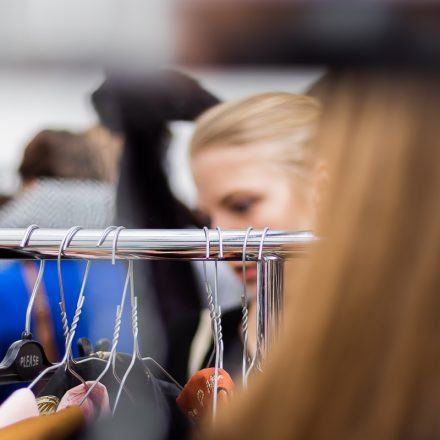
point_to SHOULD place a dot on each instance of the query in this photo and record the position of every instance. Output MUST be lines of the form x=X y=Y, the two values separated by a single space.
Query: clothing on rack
x=140 y=390
x=196 y=398
x=95 y=407
x=20 y=405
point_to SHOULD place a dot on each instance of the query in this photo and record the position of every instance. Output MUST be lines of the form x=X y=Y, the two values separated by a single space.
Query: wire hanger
x=92 y=357
x=259 y=289
x=210 y=298
x=68 y=334
x=215 y=321
x=25 y=358
x=245 y=312
x=218 y=327
x=134 y=324
x=136 y=354
x=118 y=319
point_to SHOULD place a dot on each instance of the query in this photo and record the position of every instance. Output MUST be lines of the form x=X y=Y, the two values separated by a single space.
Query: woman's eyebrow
x=229 y=198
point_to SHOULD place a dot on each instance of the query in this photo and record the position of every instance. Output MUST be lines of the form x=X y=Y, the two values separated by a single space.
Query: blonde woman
x=255 y=164
x=360 y=357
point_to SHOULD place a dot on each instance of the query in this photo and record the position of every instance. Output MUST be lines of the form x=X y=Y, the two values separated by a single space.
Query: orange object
x=196 y=398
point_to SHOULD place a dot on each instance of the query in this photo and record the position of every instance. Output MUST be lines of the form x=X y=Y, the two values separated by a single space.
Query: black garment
x=140 y=109
x=156 y=397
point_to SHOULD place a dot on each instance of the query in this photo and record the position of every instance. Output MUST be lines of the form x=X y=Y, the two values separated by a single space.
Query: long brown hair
x=359 y=357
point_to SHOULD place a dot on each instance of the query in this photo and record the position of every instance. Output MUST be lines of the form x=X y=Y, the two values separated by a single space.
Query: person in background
x=359 y=353
x=66 y=179
x=139 y=108
x=255 y=163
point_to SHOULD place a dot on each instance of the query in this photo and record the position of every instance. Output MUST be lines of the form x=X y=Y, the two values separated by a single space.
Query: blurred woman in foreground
x=360 y=354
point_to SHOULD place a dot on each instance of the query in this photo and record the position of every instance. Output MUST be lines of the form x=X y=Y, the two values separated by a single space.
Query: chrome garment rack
x=183 y=244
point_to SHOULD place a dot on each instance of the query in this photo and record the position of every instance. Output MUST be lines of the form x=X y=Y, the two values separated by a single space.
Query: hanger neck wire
x=259 y=287
x=116 y=331
x=135 y=331
x=24 y=243
x=245 y=311
x=218 y=328
x=65 y=241
x=27 y=327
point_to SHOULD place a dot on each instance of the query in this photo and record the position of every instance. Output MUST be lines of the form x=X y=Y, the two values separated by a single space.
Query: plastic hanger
x=25 y=358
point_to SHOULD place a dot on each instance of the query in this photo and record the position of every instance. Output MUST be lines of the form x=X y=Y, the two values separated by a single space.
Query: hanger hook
x=245 y=310
x=263 y=236
x=115 y=242
x=66 y=239
x=220 y=242
x=206 y=231
x=105 y=235
x=27 y=235
x=27 y=328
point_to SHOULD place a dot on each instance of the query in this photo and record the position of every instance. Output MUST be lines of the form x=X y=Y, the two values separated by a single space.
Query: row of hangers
x=25 y=360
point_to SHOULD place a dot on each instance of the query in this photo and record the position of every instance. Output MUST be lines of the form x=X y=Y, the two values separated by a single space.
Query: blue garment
x=103 y=293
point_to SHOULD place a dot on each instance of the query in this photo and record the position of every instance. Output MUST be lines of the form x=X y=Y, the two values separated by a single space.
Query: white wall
x=38 y=99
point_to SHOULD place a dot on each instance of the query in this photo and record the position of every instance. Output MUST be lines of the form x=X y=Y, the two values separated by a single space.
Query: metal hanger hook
x=27 y=235
x=220 y=242
x=66 y=239
x=206 y=231
x=263 y=236
x=27 y=328
x=245 y=310
x=115 y=242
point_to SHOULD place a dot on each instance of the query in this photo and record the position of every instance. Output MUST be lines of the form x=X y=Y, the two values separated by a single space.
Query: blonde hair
x=359 y=356
x=285 y=119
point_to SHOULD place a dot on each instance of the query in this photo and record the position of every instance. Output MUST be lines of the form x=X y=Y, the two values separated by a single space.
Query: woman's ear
x=321 y=180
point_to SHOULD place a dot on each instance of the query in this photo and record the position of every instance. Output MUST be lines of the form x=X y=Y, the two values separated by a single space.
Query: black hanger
x=84 y=347
x=23 y=361
x=25 y=358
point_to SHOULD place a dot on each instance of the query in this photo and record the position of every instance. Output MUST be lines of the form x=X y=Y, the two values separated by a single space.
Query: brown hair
x=278 y=118
x=60 y=153
x=359 y=357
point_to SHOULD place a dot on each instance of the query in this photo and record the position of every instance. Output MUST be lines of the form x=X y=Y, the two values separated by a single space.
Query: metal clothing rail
x=153 y=244
x=180 y=244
